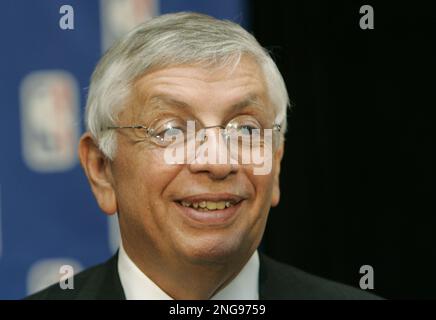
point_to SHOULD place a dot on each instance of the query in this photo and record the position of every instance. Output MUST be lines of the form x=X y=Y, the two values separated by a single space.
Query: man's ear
x=97 y=168
x=278 y=155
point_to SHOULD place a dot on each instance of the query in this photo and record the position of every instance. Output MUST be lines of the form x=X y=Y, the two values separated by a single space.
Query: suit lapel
x=104 y=283
x=111 y=288
x=271 y=282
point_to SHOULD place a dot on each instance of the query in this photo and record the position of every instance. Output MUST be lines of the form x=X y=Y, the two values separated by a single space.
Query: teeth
x=211 y=205
x=186 y=204
x=207 y=205
x=220 y=205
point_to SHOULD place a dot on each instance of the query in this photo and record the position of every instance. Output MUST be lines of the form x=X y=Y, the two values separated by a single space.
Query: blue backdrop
x=48 y=216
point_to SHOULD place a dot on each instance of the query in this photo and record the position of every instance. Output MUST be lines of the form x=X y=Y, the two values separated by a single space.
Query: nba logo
x=49 y=121
x=120 y=16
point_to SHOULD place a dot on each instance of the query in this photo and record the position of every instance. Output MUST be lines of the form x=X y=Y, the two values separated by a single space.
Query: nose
x=211 y=156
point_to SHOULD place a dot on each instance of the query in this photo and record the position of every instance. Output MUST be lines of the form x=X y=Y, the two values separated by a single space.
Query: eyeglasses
x=163 y=132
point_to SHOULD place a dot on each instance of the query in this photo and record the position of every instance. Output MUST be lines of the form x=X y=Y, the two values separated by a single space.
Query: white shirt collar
x=137 y=286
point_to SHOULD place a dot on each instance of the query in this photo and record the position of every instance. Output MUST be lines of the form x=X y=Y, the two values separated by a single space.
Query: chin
x=212 y=249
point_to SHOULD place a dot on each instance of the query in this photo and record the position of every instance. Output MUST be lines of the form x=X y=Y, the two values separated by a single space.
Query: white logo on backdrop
x=49 y=120
x=120 y=16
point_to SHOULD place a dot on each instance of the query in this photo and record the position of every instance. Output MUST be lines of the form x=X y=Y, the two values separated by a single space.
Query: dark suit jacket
x=276 y=281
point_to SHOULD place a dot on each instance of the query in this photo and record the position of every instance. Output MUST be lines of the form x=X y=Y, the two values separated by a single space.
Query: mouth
x=210 y=209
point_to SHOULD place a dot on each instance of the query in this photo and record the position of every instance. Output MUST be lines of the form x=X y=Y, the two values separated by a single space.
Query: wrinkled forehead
x=198 y=87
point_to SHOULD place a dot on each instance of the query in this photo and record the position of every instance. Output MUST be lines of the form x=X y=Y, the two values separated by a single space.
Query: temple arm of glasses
x=126 y=127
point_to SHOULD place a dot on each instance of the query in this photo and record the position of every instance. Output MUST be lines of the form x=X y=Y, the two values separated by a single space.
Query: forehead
x=191 y=86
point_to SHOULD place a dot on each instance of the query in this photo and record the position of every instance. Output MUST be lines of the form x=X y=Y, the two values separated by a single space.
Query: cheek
x=264 y=186
x=140 y=182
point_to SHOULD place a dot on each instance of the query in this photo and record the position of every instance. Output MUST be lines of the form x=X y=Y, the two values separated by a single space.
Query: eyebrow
x=168 y=100
x=250 y=100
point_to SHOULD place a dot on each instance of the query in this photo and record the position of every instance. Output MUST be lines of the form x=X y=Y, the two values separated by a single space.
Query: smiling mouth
x=210 y=209
x=204 y=205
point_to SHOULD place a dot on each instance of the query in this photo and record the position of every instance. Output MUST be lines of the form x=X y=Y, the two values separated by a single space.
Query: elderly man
x=186 y=116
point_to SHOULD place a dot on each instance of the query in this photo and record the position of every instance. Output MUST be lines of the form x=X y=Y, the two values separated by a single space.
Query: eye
x=163 y=132
x=171 y=132
x=246 y=129
x=245 y=125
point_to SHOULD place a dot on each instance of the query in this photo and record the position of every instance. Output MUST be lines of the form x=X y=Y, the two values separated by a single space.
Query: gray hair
x=167 y=40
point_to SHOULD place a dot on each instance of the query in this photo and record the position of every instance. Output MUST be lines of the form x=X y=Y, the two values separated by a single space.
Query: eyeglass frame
x=275 y=127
